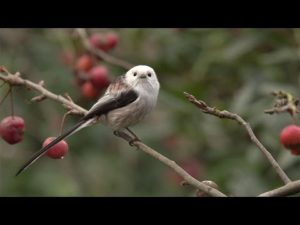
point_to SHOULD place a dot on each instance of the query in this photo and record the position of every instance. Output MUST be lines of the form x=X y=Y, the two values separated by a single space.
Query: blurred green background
x=233 y=69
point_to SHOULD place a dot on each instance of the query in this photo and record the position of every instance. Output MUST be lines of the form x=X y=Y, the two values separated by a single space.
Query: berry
x=112 y=40
x=89 y=91
x=57 y=151
x=295 y=151
x=12 y=129
x=84 y=63
x=290 y=137
x=99 y=41
x=98 y=76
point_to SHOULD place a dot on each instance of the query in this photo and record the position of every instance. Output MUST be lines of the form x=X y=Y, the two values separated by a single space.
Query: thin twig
x=63 y=122
x=12 y=102
x=286 y=190
x=38 y=98
x=5 y=96
x=228 y=115
x=98 y=52
x=173 y=165
x=14 y=79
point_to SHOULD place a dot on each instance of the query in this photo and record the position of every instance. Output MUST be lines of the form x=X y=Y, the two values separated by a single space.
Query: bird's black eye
x=149 y=74
x=134 y=74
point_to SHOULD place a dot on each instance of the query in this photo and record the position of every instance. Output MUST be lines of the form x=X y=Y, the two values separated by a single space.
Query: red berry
x=295 y=151
x=57 y=151
x=99 y=41
x=112 y=39
x=12 y=129
x=99 y=77
x=290 y=137
x=84 y=63
x=89 y=91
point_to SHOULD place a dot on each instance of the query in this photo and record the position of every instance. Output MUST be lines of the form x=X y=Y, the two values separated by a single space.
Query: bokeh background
x=233 y=69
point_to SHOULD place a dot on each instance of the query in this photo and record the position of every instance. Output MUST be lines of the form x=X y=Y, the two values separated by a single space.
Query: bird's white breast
x=132 y=113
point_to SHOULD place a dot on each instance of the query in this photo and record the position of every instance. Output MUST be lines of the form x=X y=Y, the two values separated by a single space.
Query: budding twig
x=228 y=115
x=38 y=98
x=17 y=80
x=284 y=102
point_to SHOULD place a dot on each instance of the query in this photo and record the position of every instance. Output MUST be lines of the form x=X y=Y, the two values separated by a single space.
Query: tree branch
x=173 y=165
x=228 y=115
x=289 y=189
x=98 y=52
x=15 y=79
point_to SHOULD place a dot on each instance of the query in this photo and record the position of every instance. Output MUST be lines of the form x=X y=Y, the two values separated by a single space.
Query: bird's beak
x=143 y=76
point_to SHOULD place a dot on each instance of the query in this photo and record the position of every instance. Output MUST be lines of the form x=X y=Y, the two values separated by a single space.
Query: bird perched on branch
x=126 y=102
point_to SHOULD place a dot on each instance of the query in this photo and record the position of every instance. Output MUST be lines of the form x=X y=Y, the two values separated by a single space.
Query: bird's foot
x=135 y=139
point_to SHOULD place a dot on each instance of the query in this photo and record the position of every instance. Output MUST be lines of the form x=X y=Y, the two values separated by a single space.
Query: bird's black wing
x=123 y=99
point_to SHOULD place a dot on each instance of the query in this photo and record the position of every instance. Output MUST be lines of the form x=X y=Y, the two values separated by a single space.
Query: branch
x=228 y=115
x=284 y=102
x=173 y=165
x=98 y=52
x=15 y=79
x=286 y=190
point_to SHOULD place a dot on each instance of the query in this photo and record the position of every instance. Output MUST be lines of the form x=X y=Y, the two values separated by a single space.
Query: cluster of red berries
x=290 y=139
x=105 y=42
x=92 y=78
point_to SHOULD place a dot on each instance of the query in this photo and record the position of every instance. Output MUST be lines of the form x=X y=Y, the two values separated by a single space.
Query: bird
x=126 y=102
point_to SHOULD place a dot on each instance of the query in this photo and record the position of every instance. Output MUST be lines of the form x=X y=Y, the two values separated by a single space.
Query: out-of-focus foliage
x=233 y=69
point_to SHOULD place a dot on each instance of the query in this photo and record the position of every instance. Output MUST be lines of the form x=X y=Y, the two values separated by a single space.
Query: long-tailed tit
x=126 y=102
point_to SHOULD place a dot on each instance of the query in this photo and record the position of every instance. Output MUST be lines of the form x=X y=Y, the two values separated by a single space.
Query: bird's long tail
x=40 y=153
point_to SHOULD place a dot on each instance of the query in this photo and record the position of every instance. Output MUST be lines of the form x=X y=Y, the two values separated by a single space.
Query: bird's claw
x=131 y=142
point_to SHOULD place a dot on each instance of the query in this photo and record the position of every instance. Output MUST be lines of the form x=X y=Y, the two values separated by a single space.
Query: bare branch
x=15 y=79
x=289 y=189
x=173 y=165
x=98 y=52
x=276 y=110
x=228 y=115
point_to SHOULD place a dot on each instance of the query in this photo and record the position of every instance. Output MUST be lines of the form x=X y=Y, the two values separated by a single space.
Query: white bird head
x=144 y=75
